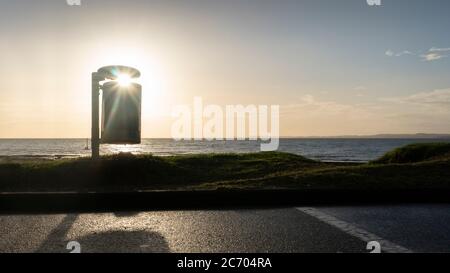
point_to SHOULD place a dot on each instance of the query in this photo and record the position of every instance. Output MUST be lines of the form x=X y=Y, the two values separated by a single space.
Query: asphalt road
x=409 y=228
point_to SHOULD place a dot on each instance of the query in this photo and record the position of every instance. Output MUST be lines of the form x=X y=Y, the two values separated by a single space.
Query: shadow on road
x=55 y=240
x=119 y=241
x=123 y=214
x=113 y=241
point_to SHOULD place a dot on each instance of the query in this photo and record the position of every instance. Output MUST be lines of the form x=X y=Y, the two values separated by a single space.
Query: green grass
x=416 y=153
x=421 y=166
x=128 y=172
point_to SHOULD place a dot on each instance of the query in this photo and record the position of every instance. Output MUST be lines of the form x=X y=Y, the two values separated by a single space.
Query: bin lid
x=112 y=72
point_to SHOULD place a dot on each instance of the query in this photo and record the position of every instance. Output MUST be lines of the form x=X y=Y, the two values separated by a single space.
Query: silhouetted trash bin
x=121 y=113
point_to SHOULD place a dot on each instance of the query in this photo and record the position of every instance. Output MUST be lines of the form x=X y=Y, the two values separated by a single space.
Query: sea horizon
x=324 y=149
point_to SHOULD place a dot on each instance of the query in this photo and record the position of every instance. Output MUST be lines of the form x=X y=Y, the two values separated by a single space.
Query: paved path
x=417 y=228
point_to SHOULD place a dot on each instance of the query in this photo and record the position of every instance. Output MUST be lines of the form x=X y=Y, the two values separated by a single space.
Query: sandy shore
x=34 y=158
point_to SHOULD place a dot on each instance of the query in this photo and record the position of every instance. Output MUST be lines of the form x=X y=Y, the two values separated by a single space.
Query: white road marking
x=386 y=246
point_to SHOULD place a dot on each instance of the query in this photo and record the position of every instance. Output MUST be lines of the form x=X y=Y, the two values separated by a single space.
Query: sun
x=155 y=82
x=124 y=80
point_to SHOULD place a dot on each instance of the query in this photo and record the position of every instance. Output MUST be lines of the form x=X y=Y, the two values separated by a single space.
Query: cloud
x=420 y=112
x=435 y=54
x=435 y=49
x=432 y=56
x=315 y=116
x=391 y=53
x=360 y=88
x=310 y=106
x=440 y=97
x=425 y=111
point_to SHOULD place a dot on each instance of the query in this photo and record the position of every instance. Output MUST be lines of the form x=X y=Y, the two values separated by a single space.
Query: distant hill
x=412 y=136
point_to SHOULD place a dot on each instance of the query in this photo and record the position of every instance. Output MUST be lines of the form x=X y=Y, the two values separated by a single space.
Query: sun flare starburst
x=124 y=80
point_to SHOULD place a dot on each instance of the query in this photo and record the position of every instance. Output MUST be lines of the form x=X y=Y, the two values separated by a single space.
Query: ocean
x=330 y=150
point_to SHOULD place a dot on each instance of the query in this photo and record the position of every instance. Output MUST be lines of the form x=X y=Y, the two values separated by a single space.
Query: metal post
x=95 y=134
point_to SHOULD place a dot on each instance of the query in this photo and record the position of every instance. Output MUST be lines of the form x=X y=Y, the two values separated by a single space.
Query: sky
x=334 y=67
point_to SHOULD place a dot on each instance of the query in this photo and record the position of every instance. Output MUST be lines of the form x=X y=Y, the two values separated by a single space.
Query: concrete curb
x=161 y=200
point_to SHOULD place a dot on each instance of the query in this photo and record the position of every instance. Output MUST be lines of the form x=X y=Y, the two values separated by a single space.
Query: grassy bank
x=422 y=166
